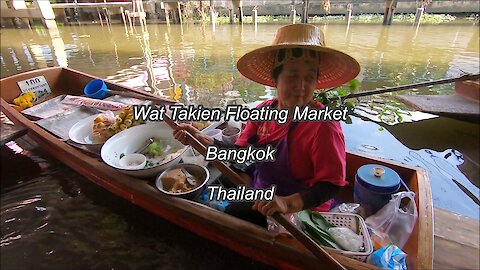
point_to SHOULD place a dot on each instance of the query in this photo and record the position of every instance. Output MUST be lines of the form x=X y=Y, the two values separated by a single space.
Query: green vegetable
x=317 y=228
x=153 y=149
x=318 y=219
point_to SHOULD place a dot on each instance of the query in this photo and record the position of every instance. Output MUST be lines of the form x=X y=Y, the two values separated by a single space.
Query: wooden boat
x=241 y=236
x=463 y=105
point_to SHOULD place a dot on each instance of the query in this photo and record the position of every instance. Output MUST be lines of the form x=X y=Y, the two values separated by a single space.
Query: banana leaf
x=318 y=232
x=318 y=219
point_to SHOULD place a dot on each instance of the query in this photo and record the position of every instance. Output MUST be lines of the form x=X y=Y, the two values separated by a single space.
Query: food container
x=230 y=135
x=133 y=161
x=130 y=140
x=200 y=172
x=374 y=186
x=355 y=223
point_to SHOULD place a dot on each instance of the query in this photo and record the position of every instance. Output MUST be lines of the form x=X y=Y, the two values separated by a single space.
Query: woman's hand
x=284 y=205
x=180 y=134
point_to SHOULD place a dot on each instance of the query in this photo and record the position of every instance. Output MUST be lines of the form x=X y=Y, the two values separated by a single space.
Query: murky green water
x=196 y=64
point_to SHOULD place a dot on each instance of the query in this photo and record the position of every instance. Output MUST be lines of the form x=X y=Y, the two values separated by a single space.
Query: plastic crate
x=350 y=221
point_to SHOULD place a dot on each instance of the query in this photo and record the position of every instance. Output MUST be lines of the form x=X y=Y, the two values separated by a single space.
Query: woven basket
x=350 y=221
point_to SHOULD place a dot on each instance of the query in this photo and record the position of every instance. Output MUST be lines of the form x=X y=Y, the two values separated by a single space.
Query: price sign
x=38 y=85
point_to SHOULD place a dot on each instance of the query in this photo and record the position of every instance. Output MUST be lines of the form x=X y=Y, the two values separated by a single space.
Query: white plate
x=81 y=132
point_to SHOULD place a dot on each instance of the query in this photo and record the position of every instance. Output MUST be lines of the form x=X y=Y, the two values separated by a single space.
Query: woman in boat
x=309 y=169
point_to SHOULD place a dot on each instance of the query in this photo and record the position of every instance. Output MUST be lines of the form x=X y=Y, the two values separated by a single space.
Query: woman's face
x=296 y=83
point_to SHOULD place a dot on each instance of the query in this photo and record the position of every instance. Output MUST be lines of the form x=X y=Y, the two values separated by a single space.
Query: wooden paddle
x=410 y=86
x=317 y=250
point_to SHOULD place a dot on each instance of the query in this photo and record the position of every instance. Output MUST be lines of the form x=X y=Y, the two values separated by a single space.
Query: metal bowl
x=200 y=172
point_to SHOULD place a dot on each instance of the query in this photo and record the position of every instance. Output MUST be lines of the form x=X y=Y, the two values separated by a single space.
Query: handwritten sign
x=38 y=85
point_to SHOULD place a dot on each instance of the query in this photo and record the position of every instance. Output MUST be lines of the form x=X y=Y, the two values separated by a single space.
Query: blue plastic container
x=374 y=186
x=96 y=89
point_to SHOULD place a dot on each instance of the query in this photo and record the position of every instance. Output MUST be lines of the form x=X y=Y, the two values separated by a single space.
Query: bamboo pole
x=410 y=86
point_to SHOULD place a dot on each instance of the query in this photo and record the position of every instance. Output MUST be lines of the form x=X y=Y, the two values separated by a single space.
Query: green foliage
x=398 y=18
x=386 y=113
x=334 y=96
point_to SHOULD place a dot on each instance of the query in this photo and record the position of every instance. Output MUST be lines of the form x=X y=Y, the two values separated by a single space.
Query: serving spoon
x=189 y=177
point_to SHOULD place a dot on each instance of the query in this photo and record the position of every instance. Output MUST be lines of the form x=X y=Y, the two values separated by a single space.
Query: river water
x=51 y=216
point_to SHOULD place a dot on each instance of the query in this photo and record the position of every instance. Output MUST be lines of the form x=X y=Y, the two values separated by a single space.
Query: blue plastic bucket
x=374 y=186
x=96 y=89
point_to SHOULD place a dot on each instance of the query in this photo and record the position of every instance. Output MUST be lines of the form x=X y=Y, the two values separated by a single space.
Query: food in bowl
x=175 y=181
x=159 y=151
x=134 y=139
x=183 y=180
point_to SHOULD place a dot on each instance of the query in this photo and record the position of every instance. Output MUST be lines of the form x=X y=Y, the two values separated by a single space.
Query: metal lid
x=378 y=178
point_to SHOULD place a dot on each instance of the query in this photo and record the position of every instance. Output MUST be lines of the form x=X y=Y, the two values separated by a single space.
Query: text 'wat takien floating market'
x=240 y=134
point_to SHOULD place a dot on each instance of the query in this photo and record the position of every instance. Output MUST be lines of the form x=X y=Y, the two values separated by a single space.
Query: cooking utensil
x=189 y=177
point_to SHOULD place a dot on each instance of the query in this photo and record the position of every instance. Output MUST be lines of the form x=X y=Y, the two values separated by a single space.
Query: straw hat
x=335 y=67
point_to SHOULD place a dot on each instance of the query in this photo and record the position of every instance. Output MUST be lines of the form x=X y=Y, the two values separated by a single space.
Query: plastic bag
x=394 y=221
x=346 y=238
x=274 y=226
x=389 y=257
x=353 y=208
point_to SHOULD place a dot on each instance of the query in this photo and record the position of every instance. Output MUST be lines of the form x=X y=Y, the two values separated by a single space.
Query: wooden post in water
x=254 y=15
x=213 y=16
x=418 y=14
x=305 y=11
x=167 y=16
x=387 y=11
x=293 y=13
x=46 y=10
x=392 y=12
x=240 y=12
x=123 y=17
x=348 y=14
x=179 y=12
x=231 y=15
x=237 y=6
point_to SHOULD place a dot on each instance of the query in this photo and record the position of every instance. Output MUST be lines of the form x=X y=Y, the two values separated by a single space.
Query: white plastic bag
x=396 y=222
x=346 y=238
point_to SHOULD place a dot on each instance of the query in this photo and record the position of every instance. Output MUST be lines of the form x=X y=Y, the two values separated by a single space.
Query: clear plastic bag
x=396 y=222
x=274 y=226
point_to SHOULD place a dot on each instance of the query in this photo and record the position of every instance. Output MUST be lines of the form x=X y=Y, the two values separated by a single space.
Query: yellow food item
x=101 y=130
x=104 y=128
x=25 y=100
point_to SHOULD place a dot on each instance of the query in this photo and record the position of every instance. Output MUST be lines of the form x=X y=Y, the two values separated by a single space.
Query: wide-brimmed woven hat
x=335 y=67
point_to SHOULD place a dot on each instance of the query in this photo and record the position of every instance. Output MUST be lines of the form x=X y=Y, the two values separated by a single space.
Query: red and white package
x=94 y=103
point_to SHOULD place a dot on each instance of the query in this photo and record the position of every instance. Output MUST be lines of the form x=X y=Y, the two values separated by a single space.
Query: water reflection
x=57 y=43
x=197 y=64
